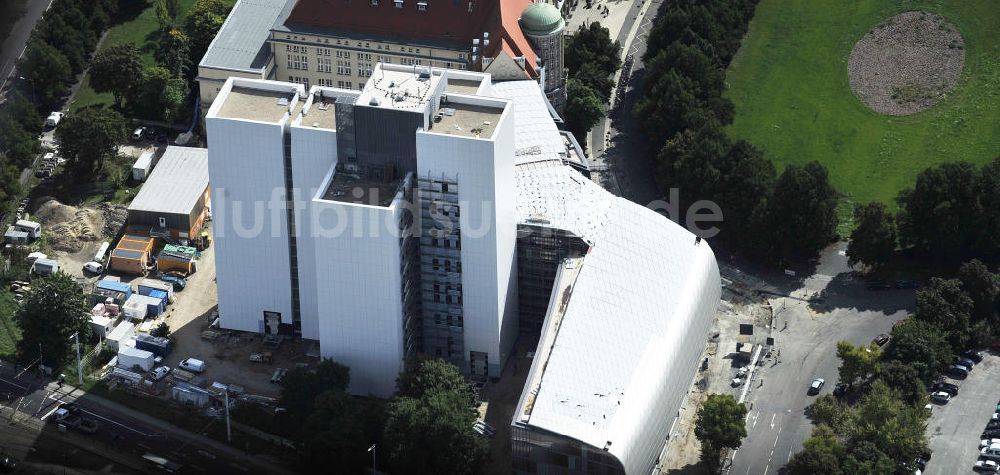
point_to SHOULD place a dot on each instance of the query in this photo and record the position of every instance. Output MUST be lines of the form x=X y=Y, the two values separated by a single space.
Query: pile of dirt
x=68 y=228
x=114 y=218
x=906 y=64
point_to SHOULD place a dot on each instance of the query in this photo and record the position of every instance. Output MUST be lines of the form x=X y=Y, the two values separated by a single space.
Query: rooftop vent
x=398 y=3
x=422 y=6
x=282 y=101
x=425 y=73
x=373 y=101
x=374 y=3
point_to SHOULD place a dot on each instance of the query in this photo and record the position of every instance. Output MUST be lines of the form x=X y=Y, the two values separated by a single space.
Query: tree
x=822 y=452
x=921 y=346
x=827 y=410
x=90 y=136
x=203 y=22
x=905 y=379
x=333 y=432
x=720 y=424
x=592 y=45
x=166 y=14
x=945 y=305
x=873 y=241
x=938 y=215
x=428 y=426
x=745 y=180
x=983 y=287
x=583 y=109
x=856 y=362
x=597 y=80
x=161 y=95
x=300 y=386
x=890 y=425
x=52 y=312
x=988 y=189
x=118 y=70
x=47 y=70
x=162 y=330
x=802 y=211
x=174 y=52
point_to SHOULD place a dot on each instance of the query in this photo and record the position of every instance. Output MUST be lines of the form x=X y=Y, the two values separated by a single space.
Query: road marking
x=54 y=409
x=789 y=458
x=207 y=454
x=111 y=421
x=772 y=420
x=776 y=438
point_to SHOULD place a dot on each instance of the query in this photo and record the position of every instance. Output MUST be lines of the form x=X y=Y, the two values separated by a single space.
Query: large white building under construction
x=437 y=212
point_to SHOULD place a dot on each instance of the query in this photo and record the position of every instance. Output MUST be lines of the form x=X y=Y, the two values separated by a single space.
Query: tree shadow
x=692 y=469
x=850 y=291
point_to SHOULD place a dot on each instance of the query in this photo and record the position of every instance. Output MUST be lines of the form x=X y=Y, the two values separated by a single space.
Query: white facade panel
x=484 y=171
x=314 y=153
x=246 y=172
x=360 y=302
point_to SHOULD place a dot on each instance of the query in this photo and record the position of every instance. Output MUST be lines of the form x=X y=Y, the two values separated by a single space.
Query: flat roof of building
x=463 y=86
x=241 y=43
x=177 y=182
x=322 y=113
x=400 y=87
x=262 y=105
x=466 y=120
x=353 y=187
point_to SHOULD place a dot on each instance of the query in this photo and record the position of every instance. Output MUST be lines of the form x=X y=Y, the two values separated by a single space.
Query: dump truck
x=69 y=418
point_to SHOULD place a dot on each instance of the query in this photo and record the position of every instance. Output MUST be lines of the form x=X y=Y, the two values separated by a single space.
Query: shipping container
x=129 y=358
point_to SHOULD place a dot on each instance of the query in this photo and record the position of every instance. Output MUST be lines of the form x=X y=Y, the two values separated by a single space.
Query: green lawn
x=142 y=31
x=789 y=84
x=9 y=331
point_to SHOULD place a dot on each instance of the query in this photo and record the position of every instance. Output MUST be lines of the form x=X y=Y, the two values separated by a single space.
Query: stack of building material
x=176 y=258
x=157 y=345
x=105 y=289
x=140 y=306
x=132 y=254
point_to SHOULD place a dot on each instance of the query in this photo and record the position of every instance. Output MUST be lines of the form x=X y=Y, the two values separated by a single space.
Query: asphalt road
x=130 y=437
x=955 y=428
x=14 y=44
x=806 y=335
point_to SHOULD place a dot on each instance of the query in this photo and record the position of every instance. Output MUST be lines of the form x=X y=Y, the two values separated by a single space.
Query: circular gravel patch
x=907 y=63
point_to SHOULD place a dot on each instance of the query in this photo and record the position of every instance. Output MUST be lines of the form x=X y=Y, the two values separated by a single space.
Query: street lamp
x=372 y=450
x=79 y=364
x=33 y=98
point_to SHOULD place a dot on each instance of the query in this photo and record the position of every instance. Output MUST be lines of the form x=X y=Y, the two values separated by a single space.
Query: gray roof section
x=241 y=43
x=176 y=184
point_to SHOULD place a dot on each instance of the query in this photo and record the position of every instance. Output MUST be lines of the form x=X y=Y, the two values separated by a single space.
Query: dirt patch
x=69 y=228
x=907 y=63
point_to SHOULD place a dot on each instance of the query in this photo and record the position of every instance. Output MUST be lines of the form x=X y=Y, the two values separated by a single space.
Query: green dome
x=541 y=19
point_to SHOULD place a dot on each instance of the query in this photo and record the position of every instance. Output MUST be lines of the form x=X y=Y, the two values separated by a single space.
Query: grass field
x=789 y=84
x=9 y=331
x=141 y=30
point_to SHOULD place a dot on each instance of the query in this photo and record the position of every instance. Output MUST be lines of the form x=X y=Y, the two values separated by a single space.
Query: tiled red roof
x=457 y=21
x=514 y=41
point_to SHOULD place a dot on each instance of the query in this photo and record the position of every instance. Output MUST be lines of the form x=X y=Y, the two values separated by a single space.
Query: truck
x=69 y=417
x=53 y=119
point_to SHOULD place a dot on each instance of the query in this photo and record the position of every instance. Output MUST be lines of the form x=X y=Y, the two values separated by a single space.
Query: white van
x=193 y=365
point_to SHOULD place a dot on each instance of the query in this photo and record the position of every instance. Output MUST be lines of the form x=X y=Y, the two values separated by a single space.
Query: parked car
x=958 y=371
x=881 y=340
x=840 y=389
x=946 y=387
x=973 y=355
x=178 y=282
x=93 y=267
x=816 y=385
x=992 y=452
x=986 y=466
x=159 y=373
x=138 y=133
x=940 y=397
x=992 y=425
x=53 y=119
x=965 y=362
x=193 y=365
x=922 y=460
x=988 y=442
x=991 y=433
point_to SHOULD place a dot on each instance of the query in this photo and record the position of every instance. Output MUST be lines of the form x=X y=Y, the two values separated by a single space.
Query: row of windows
x=296 y=61
x=366 y=45
x=330 y=83
x=300 y=80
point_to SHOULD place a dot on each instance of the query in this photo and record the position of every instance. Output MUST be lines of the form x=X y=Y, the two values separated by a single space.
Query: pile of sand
x=906 y=64
x=68 y=228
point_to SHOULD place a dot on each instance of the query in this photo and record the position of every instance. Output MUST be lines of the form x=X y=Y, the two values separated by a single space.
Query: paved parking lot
x=954 y=429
